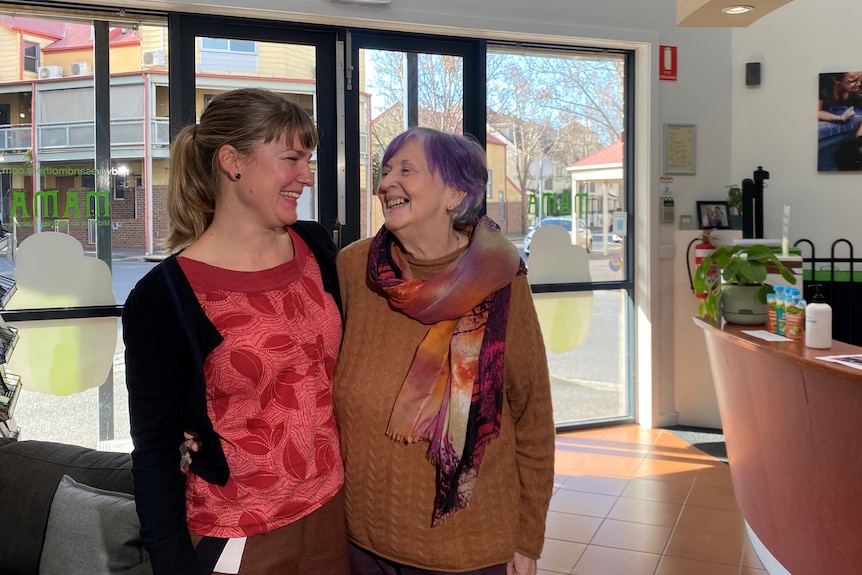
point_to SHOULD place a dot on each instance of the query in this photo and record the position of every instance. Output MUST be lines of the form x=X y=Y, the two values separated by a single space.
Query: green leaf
x=761 y=293
x=753 y=272
x=787 y=275
x=729 y=271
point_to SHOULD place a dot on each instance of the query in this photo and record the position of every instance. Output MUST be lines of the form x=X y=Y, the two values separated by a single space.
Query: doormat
x=710 y=441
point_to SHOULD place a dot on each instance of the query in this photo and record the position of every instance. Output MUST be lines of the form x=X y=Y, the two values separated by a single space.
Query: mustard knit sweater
x=390 y=486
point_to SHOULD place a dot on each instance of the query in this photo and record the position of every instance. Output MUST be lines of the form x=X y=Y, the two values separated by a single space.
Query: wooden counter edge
x=791 y=351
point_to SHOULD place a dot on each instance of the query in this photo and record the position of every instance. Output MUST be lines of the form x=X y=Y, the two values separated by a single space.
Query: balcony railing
x=160 y=134
x=15 y=139
x=79 y=136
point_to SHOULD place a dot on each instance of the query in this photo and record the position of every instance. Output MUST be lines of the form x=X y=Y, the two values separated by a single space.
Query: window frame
x=27 y=45
x=231 y=48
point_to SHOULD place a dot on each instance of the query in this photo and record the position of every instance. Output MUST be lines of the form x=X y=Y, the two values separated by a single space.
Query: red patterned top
x=269 y=395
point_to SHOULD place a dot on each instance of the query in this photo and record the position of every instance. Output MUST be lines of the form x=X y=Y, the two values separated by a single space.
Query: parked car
x=584 y=238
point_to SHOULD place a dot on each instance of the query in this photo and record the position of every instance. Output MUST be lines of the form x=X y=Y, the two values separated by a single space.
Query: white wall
x=702 y=96
x=775 y=125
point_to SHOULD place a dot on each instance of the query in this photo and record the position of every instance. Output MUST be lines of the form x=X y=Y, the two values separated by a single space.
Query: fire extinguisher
x=701 y=251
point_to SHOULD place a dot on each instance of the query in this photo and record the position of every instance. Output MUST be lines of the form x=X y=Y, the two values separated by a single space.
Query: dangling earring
x=237 y=175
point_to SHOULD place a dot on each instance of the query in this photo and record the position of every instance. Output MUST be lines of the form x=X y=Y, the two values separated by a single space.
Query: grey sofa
x=84 y=522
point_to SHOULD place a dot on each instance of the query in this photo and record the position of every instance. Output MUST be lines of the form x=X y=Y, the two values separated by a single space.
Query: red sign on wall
x=667 y=63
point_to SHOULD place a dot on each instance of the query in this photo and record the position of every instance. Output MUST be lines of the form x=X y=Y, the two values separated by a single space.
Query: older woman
x=441 y=389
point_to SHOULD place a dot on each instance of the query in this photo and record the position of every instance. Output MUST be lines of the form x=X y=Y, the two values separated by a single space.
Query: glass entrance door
x=400 y=82
x=560 y=176
x=297 y=63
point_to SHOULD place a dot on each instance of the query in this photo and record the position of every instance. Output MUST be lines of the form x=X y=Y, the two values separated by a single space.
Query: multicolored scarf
x=453 y=393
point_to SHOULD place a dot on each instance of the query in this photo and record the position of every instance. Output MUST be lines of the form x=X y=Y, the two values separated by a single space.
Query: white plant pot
x=739 y=304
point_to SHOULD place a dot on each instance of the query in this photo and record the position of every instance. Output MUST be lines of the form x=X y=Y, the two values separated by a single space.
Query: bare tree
x=582 y=94
x=558 y=106
x=590 y=92
x=440 y=87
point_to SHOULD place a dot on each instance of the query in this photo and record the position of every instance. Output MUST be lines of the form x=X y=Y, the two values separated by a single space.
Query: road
x=586 y=381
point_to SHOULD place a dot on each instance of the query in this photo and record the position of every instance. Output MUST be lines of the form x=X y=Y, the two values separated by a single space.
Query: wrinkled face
x=273 y=180
x=414 y=199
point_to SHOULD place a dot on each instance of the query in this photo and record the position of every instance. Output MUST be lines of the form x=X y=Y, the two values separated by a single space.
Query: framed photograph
x=839 y=119
x=679 y=149
x=713 y=215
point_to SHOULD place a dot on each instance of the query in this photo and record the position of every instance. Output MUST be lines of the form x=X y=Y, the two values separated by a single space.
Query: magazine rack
x=10 y=384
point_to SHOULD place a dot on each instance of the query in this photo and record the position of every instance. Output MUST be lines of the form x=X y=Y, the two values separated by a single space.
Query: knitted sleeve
x=528 y=391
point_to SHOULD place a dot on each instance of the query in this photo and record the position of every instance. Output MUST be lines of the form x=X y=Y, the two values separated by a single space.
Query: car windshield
x=558 y=222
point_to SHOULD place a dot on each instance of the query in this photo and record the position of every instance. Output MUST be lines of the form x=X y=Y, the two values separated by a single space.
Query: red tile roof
x=38 y=27
x=613 y=154
x=492 y=139
x=67 y=35
x=81 y=36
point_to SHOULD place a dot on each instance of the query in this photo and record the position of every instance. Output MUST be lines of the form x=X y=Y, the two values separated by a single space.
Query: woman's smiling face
x=414 y=199
x=274 y=179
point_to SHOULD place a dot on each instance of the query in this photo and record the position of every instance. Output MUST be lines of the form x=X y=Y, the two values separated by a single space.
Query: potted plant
x=734 y=206
x=734 y=280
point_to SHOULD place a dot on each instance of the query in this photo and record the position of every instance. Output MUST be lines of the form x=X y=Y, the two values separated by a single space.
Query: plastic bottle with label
x=794 y=318
x=818 y=321
x=771 y=306
x=780 y=307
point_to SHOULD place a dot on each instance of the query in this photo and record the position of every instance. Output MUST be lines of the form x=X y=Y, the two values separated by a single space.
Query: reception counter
x=793 y=428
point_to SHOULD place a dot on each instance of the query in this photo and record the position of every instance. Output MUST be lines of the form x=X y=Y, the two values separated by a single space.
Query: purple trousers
x=363 y=562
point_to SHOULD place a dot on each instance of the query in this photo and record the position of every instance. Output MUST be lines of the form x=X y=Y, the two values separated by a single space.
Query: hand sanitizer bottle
x=818 y=321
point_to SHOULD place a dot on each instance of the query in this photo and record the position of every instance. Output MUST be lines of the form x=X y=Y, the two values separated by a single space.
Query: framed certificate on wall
x=679 y=149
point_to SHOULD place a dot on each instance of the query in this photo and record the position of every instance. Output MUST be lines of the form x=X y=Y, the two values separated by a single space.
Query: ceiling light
x=724 y=13
x=740 y=9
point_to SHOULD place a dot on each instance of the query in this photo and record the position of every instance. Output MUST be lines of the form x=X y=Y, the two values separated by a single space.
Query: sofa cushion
x=29 y=474
x=91 y=531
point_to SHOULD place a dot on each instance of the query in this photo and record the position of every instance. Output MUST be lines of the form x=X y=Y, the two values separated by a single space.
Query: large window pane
x=53 y=183
x=585 y=337
x=400 y=90
x=555 y=150
x=288 y=69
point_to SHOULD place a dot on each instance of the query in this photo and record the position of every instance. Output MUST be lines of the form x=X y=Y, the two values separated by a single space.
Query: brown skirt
x=314 y=545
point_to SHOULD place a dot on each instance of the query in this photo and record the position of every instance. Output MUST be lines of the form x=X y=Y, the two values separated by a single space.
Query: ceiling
x=707 y=13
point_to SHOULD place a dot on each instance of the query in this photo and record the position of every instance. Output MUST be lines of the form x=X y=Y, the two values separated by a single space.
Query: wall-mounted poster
x=679 y=149
x=839 y=122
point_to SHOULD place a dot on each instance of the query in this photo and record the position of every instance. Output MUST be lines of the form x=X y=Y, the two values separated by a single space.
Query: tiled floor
x=635 y=501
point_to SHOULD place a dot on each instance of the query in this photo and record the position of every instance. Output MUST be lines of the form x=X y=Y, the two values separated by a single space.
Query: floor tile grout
x=666 y=451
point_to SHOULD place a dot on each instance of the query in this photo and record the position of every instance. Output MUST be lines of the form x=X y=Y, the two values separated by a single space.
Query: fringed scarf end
x=401 y=437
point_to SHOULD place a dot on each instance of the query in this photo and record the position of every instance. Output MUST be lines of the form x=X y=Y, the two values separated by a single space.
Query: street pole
x=541 y=192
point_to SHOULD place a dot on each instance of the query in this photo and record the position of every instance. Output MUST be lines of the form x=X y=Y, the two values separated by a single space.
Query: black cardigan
x=167 y=337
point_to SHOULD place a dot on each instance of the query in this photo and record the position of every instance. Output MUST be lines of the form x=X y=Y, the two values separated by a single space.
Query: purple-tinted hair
x=458 y=160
